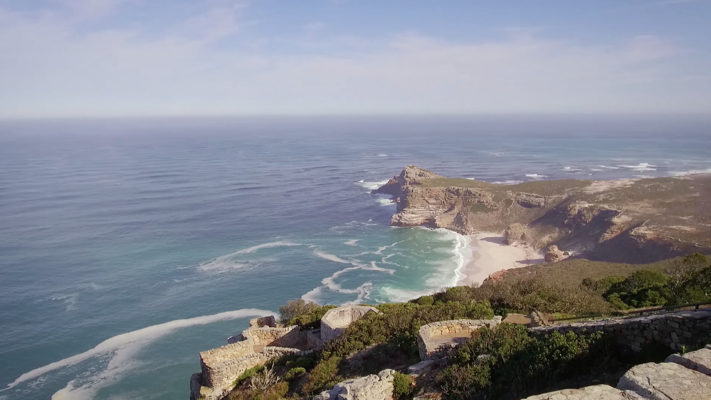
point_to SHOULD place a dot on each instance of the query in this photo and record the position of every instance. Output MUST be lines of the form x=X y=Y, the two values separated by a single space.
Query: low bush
x=294 y=308
x=402 y=387
x=294 y=373
x=509 y=363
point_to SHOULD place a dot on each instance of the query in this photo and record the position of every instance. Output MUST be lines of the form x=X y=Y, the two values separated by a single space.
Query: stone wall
x=280 y=337
x=336 y=320
x=313 y=340
x=218 y=377
x=268 y=321
x=437 y=339
x=673 y=330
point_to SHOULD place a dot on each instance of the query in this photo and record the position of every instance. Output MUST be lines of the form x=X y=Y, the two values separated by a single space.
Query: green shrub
x=294 y=373
x=425 y=301
x=297 y=307
x=248 y=374
x=516 y=364
x=310 y=319
x=323 y=376
x=526 y=294
x=644 y=288
x=276 y=392
x=402 y=387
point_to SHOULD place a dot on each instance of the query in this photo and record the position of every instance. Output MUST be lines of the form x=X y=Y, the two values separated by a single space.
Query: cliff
x=634 y=221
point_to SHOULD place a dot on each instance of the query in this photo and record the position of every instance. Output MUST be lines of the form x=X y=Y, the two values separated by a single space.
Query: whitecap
x=123 y=347
x=351 y=242
x=606 y=167
x=508 y=182
x=70 y=300
x=596 y=169
x=570 y=169
x=641 y=167
x=262 y=246
x=536 y=176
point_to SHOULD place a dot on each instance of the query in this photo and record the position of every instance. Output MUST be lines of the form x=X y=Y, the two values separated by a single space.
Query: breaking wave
x=122 y=349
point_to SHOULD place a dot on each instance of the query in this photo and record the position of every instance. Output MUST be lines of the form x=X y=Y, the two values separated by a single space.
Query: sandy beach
x=490 y=255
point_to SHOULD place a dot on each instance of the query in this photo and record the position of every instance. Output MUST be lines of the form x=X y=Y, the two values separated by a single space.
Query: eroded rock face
x=371 y=387
x=635 y=221
x=666 y=381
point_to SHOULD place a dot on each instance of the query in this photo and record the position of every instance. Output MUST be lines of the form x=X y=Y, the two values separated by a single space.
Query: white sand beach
x=490 y=255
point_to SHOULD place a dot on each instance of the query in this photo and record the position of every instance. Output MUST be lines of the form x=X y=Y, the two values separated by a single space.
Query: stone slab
x=420 y=368
x=597 y=392
x=666 y=381
x=699 y=360
x=371 y=387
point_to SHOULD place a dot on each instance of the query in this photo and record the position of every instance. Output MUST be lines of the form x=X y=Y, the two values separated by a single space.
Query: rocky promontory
x=634 y=221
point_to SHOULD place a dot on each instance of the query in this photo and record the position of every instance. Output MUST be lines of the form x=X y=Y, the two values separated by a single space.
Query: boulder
x=597 y=392
x=515 y=233
x=699 y=360
x=553 y=254
x=666 y=381
x=371 y=387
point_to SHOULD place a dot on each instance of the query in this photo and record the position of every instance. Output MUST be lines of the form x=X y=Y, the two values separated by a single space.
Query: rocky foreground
x=633 y=221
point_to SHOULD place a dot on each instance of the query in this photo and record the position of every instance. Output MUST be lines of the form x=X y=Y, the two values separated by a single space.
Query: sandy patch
x=490 y=255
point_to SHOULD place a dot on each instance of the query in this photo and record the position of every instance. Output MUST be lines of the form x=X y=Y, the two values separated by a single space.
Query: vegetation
x=504 y=363
x=402 y=387
x=688 y=281
x=510 y=363
x=296 y=307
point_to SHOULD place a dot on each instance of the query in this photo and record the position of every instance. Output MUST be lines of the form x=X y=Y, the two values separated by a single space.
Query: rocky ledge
x=634 y=221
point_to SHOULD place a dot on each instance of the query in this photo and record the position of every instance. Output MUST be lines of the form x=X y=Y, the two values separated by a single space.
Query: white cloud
x=53 y=70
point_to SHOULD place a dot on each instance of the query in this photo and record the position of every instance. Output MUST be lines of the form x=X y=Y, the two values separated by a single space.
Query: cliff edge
x=633 y=221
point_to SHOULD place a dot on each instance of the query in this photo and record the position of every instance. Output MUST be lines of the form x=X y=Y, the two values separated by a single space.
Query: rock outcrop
x=336 y=320
x=371 y=387
x=666 y=381
x=635 y=221
x=597 y=392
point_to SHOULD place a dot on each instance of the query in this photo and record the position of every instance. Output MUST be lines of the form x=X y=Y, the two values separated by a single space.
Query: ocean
x=127 y=246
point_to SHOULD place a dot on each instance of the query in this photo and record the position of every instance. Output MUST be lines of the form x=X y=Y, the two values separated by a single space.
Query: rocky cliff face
x=634 y=221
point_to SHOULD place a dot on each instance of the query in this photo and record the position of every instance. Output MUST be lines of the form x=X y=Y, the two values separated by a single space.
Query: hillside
x=632 y=221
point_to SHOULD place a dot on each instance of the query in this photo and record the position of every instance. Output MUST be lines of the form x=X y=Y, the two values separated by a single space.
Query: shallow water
x=129 y=246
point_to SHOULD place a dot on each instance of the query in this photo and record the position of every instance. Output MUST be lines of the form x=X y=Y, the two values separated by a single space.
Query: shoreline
x=490 y=255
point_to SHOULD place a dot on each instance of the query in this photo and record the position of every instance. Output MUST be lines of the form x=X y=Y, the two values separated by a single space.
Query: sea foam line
x=132 y=341
x=225 y=262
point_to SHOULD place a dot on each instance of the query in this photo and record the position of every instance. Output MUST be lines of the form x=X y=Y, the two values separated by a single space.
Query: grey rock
x=597 y=392
x=371 y=387
x=666 y=381
x=699 y=360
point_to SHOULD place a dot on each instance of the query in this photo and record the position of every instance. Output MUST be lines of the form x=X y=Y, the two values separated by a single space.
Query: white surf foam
x=227 y=262
x=641 y=167
x=596 y=169
x=536 y=176
x=691 y=172
x=508 y=182
x=371 y=185
x=385 y=202
x=70 y=300
x=570 y=169
x=395 y=295
x=330 y=257
x=330 y=283
x=606 y=167
x=351 y=242
x=127 y=344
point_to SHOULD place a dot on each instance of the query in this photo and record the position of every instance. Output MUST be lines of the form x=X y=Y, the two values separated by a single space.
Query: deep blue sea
x=128 y=246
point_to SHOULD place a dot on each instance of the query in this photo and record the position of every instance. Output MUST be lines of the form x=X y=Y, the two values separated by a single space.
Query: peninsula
x=632 y=221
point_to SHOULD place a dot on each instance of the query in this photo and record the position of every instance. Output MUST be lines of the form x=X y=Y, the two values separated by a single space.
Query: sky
x=94 y=58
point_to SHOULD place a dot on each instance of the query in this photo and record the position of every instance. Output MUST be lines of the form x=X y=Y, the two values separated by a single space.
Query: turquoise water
x=129 y=246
